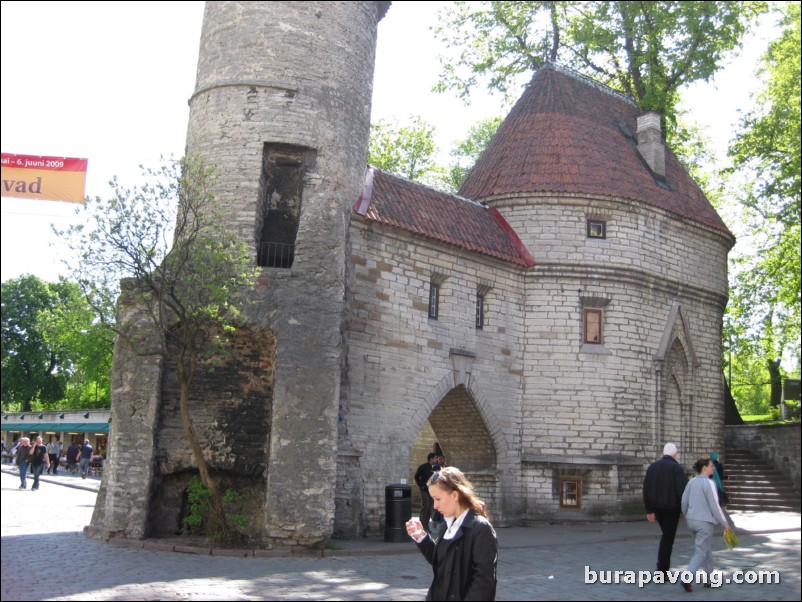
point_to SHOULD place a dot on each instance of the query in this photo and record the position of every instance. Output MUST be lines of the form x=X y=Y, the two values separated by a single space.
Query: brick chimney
x=650 y=142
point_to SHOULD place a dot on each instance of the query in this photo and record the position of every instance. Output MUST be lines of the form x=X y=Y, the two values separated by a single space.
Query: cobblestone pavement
x=537 y=563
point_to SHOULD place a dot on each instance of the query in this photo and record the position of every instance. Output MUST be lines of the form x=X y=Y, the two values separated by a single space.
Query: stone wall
x=402 y=364
x=646 y=241
x=123 y=500
x=657 y=374
x=537 y=402
x=231 y=406
x=780 y=445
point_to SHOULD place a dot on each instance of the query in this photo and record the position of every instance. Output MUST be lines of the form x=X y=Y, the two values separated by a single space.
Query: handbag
x=730 y=538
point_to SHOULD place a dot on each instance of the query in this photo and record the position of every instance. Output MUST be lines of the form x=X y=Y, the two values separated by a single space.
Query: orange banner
x=44 y=178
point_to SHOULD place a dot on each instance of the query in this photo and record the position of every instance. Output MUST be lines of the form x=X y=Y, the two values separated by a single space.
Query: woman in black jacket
x=464 y=559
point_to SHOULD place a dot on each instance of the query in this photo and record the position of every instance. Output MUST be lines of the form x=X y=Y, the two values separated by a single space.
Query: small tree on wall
x=183 y=266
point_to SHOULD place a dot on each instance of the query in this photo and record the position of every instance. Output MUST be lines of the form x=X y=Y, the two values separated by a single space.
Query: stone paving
x=537 y=563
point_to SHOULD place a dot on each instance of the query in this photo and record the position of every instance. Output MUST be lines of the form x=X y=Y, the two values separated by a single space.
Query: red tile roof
x=567 y=134
x=466 y=224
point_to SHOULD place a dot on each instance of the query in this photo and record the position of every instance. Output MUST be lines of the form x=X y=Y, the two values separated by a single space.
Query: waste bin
x=397 y=511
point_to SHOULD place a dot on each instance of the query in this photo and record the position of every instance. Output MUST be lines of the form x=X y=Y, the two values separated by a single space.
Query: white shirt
x=453 y=525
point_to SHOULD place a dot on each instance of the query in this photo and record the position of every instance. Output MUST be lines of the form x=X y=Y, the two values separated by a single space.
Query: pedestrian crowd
x=35 y=459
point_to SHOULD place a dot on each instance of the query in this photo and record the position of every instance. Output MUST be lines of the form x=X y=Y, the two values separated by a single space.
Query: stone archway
x=457 y=426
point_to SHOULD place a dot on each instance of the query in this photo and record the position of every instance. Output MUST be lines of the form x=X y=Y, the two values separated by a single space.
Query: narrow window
x=480 y=311
x=593 y=326
x=281 y=199
x=597 y=228
x=570 y=492
x=434 y=300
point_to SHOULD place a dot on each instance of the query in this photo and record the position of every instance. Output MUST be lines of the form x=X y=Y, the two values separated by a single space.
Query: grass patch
x=757 y=418
x=766 y=419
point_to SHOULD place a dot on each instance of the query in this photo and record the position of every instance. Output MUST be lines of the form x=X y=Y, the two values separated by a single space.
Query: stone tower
x=281 y=107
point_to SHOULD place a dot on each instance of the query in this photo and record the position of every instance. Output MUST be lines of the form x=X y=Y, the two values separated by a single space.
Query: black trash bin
x=397 y=511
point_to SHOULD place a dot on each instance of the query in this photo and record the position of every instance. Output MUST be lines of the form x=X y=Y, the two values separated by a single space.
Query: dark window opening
x=281 y=192
x=480 y=312
x=434 y=300
x=597 y=229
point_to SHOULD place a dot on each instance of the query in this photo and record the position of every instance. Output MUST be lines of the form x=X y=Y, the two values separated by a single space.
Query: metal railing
x=275 y=255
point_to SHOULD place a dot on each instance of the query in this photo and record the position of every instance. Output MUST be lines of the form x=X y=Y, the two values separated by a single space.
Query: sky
x=110 y=81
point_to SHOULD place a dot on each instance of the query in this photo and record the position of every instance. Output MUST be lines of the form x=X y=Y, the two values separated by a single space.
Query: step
x=762 y=485
x=754 y=485
x=759 y=506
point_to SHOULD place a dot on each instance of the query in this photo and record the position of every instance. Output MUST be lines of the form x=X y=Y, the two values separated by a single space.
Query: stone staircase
x=757 y=486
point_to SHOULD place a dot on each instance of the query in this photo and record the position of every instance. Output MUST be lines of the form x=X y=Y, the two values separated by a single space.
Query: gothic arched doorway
x=456 y=426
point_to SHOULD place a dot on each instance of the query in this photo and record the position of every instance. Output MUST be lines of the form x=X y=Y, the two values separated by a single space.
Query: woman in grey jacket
x=464 y=559
x=702 y=513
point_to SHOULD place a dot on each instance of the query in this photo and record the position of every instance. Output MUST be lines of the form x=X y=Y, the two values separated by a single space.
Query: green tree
x=649 y=50
x=466 y=152
x=73 y=326
x=52 y=349
x=406 y=150
x=766 y=158
x=30 y=367
x=188 y=278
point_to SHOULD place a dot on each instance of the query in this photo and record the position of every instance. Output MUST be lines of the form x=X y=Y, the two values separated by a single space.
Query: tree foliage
x=765 y=300
x=188 y=278
x=406 y=150
x=54 y=353
x=649 y=50
x=467 y=152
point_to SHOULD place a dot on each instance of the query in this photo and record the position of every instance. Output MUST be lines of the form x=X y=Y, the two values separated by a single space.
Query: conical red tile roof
x=567 y=134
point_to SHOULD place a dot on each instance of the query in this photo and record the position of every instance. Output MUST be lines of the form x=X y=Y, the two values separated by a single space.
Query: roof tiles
x=569 y=135
x=453 y=220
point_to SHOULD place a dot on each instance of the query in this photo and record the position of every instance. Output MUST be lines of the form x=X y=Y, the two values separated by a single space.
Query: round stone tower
x=282 y=108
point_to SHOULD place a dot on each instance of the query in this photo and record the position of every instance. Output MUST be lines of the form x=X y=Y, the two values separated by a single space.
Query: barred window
x=434 y=300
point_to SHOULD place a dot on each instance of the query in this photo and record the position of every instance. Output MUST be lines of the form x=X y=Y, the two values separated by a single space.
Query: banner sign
x=44 y=178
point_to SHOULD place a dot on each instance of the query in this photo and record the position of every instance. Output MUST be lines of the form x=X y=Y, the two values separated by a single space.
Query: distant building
x=68 y=426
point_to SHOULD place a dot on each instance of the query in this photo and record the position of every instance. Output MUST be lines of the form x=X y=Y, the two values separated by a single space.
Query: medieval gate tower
x=282 y=108
x=549 y=329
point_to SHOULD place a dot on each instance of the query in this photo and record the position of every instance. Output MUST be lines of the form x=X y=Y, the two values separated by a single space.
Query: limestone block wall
x=646 y=241
x=611 y=490
x=601 y=399
x=660 y=281
x=401 y=364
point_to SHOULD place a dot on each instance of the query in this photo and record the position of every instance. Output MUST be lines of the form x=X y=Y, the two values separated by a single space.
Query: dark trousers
x=668 y=521
x=37 y=472
x=53 y=464
x=426 y=507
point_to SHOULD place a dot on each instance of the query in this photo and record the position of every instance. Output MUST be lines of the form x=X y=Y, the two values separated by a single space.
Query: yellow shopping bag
x=730 y=538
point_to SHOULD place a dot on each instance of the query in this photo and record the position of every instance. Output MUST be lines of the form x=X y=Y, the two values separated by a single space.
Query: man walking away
x=86 y=458
x=663 y=486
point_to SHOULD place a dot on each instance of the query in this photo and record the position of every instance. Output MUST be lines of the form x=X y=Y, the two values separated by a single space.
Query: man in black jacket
x=662 y=495
x=422 y=477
